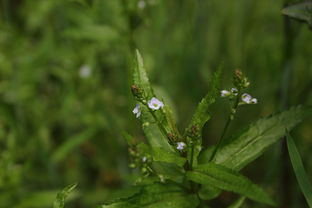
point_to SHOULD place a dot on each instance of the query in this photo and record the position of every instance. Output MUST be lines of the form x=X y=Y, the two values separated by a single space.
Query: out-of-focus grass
x=58 y=127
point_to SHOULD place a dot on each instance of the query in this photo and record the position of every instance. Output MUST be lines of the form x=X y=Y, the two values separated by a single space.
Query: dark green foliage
x=255 y=139
x=225 y=179
x=299 y=170
x=158 y=196
x=300 y=11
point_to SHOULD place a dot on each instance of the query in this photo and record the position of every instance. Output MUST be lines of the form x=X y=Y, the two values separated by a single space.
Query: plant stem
x=228 y=122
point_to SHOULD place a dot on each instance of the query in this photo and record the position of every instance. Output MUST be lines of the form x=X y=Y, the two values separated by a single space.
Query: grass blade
x=299 y=170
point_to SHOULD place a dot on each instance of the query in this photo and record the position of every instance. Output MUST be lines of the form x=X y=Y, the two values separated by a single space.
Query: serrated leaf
x=300 y=11
x=226 y=179
x=202 y=113
x=155 y=135
x=61 y=196
x=254 y=140
x=140 y=78
x=200 y=117
x=238 y=203
x=299 y=170
x=158 y=196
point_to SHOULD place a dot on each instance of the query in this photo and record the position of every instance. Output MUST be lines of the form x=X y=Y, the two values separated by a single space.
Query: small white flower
x=137 y=111
x=225 y=93
x=85 y=71
x=181 y=145
x=144 y=159
x=234 y=91
x=155 y=104
x=254 y=101
x=247 y=99
x=141 y=4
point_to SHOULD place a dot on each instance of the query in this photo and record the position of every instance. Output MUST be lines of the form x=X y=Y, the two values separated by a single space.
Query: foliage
x=301 y=174
x=164 y=155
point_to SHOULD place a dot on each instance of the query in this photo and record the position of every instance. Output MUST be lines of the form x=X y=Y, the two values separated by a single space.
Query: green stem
x=228 y=122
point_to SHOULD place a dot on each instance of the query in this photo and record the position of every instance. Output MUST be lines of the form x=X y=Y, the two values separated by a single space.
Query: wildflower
x=181 y=145
x=137 y=111
x=254 y=101
x=141 y=4
x=234 y=91
x=247 y=99
x=144 y=159
x=225 y=93
x=85 y=71
x=155 y=104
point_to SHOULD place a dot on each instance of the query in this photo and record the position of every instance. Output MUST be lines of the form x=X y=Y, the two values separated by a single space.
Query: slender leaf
x=226 y=179
x=158 y=196
x=253 y=141
x=300 y=11
x=202 y=113
x=238 y=203
x=299 y=170
x=61 y=196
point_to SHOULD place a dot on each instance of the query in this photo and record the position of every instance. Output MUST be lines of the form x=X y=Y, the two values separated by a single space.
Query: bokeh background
x=65 y=72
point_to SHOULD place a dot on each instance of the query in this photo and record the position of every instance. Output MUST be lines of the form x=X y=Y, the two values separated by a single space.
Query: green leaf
x=208 y=192
x=226 y=179
x=299 y=170
x=300 y=11
x=253 y=141
x=61 y=196
x=140 y=78
x=152 y=132
x=238 y=203
x=202 y=113
x=200 y=117
x=155 y=136
x=158 y=196
x=169 y=171
x=162 y=155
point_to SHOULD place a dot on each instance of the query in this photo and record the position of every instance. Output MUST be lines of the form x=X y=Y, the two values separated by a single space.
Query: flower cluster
x=229 y=93
x=240 y=82
x=248 y=99
x=153 y=104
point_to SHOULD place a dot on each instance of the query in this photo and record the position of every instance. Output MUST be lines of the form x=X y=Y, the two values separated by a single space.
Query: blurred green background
x=65 y=72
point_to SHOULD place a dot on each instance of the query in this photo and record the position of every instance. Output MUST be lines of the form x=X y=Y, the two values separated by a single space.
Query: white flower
x=144 y=159
x=225 y=93
x=141 y=4
x=181 y=145
x=234 y=91
x=247 y=99
x=254 y=101
x=155 y=104
x=137 y=111
x=85 y=71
